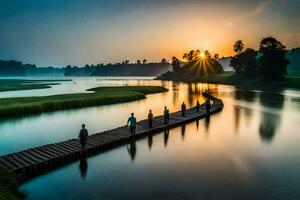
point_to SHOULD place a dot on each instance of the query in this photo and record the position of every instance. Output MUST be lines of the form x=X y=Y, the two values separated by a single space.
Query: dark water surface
x=248 y=151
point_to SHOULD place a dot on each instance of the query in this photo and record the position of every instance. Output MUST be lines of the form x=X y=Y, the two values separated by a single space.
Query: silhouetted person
x=150 y=118
x=198 y=106
x=83 y=166
x=197 y=124
x=207 y=106
x=183 y=109
x=166 y=115
x=83 y=135
x=166 y=137
x=132 y=149
x=131 y=122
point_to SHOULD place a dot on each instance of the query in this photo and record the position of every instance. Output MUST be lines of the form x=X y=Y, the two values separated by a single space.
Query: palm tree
x=164 y=61
x=238 y=47
x=216 y=56
x=207 y=54
x=175 y=63
x=185 y=56
x=138 y=62
x=144 y=61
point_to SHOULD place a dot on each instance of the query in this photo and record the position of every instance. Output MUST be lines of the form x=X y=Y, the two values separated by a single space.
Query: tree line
x=268 y=63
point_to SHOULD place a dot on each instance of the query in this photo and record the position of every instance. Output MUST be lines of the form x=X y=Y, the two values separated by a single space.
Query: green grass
x=9 y=187
x=292 y=81
x=101 y=96
x=225 y=78
x=18 y=84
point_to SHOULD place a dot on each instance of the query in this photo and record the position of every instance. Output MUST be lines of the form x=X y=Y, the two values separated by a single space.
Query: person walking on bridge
x=198 y=106
x=166 y=115
x=207 y=106
x=183 y=109
x=131 y=122
x=150 y=118
x=83 y=136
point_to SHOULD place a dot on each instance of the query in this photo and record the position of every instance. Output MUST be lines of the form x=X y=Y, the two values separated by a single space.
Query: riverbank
x=227 y=78
x=291 y=81
x=9 y=187
x=19 y=84
x=10 y=107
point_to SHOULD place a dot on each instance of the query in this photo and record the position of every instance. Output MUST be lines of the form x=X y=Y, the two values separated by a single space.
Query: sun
x=202 y=55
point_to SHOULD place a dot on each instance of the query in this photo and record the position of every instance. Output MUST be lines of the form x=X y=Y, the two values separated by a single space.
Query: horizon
x=60 y=33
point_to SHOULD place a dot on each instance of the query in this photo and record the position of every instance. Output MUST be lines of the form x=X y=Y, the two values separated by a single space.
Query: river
x=248 y=151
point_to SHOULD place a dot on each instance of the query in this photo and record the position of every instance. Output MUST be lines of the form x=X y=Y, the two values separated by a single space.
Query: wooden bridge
x=32 y=162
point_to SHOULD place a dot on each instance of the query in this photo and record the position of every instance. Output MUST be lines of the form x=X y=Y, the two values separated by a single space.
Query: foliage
x=216 y=56
x=245 y=63
x=273 y=62
x=175 y=63
x=12 y=68
x=238 y=47
x=192 y=55
x=164 y=61
x=294 y=57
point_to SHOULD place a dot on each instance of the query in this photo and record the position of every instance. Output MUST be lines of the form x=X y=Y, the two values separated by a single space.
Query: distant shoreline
x=23 y=84
x=227 y=78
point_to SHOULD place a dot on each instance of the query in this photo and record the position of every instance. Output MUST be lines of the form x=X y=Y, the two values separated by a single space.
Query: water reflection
x=270 y=119
x=166 y=137
x=150 y=141
x=237 y=117
x=132 y=149
x=175 y=93
x=197 y=124
x=207 y=122
x=83 y=166
x=245 y=95
x=182 y=132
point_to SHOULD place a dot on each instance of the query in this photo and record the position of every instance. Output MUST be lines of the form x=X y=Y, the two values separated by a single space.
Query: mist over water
x=249 y=150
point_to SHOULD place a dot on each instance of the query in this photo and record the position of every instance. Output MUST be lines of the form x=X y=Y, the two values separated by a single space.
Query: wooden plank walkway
x=32 y=162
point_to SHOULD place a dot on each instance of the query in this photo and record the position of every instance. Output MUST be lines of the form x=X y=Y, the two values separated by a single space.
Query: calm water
x=248 y=151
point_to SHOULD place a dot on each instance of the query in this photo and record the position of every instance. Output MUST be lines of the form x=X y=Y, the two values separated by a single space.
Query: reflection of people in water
x=83 y=167
x=166 y=137
x=150 y=141
x=197 y=124
x=207 y=122
x=132 y=149
x=182 y=132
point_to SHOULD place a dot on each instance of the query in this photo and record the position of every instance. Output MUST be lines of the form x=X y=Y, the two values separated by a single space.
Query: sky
x=78 y=32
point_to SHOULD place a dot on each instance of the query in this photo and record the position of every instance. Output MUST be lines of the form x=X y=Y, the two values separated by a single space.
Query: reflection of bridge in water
x=31 y=162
